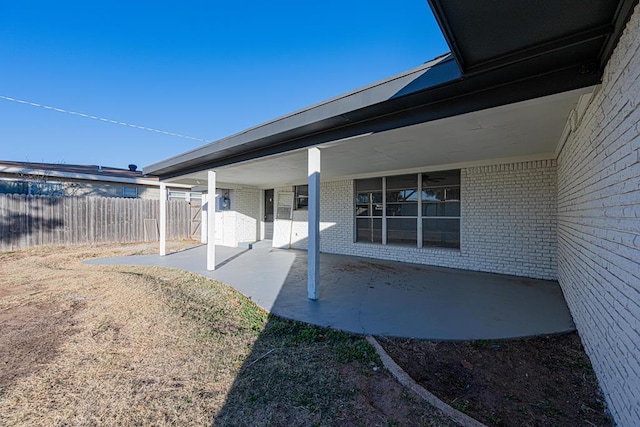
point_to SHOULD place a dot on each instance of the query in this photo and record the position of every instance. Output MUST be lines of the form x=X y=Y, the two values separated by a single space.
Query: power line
x=102 y=119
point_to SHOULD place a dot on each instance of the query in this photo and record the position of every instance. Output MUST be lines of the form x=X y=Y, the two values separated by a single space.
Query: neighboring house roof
x=80 y=172
x=503 y=53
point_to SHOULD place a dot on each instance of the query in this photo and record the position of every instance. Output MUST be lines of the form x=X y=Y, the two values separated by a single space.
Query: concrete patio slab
x=376 y=297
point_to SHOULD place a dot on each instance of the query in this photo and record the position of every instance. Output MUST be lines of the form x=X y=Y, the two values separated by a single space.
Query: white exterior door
x=283 y=220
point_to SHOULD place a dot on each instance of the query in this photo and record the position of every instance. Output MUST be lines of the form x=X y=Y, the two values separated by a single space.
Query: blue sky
x=204 y=69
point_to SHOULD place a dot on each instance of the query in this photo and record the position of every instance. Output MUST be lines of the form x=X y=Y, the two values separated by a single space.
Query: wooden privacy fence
x=42 y=220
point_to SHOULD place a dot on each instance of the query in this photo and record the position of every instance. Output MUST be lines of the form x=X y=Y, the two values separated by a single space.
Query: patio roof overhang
x=510 y=100
x=527 y=34
x=529 y=130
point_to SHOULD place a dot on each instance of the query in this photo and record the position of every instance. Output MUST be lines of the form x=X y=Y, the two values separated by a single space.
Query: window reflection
x=429 y=216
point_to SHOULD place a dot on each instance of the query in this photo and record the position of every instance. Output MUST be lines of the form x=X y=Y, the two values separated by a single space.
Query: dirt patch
x=382 y=392
x=352 y=267
x=301 y=374
x=31 y=336
x=7 y=292
x=544 y=381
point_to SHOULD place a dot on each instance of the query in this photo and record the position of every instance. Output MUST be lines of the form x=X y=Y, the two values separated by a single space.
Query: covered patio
x=500 y=160
x=378 y=297
x=537 y=122
x=451 y=164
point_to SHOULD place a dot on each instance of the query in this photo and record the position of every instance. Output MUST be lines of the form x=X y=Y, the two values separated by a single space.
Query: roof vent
x=133 y=167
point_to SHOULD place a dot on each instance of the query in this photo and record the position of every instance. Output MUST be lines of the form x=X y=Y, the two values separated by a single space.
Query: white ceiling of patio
x=527 y=130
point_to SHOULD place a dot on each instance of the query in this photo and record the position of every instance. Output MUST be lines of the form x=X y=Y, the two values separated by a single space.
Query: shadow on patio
x=368 y=296
x=295 y=374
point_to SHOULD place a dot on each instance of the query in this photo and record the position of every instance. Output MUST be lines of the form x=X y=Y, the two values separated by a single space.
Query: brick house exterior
x=567 y=212
x=599 y=227
x=520 y=241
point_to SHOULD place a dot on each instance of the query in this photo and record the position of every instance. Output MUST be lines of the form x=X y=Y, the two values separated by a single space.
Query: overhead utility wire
x=89 y=116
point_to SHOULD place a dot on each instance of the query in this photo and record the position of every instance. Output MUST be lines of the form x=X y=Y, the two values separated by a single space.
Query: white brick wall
x=509 y=218
x=508 y=223
x=599 y=228
x=240 y=223
x=226 y=228
x=336 y=218
x=245 y=202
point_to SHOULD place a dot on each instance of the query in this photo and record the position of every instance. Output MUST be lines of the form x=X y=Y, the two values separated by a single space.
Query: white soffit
x=528 y=129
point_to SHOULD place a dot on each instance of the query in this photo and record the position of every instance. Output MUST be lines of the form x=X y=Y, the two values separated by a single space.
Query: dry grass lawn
x=99 y=345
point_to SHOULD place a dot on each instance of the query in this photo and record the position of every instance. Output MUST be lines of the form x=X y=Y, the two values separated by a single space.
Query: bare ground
x=541 y=381
x=98 y=345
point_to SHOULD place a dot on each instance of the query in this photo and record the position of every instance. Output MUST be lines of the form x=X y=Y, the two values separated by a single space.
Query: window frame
x=373 y=213
x=132 y=189
x=443 y=210
x=298 y=198
x=401 y=200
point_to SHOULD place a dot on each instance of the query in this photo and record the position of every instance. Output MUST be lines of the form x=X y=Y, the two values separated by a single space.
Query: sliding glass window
x=414 y=210
x=369 y=210
x=441 y=209
x=402 y=210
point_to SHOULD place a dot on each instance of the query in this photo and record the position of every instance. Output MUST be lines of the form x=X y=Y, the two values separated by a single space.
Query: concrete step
x=256 y=245
x=262 y=244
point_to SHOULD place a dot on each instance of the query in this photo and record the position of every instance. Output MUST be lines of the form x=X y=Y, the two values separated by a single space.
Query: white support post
x=163 y=219
x=211 y=221
x=313 y=248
